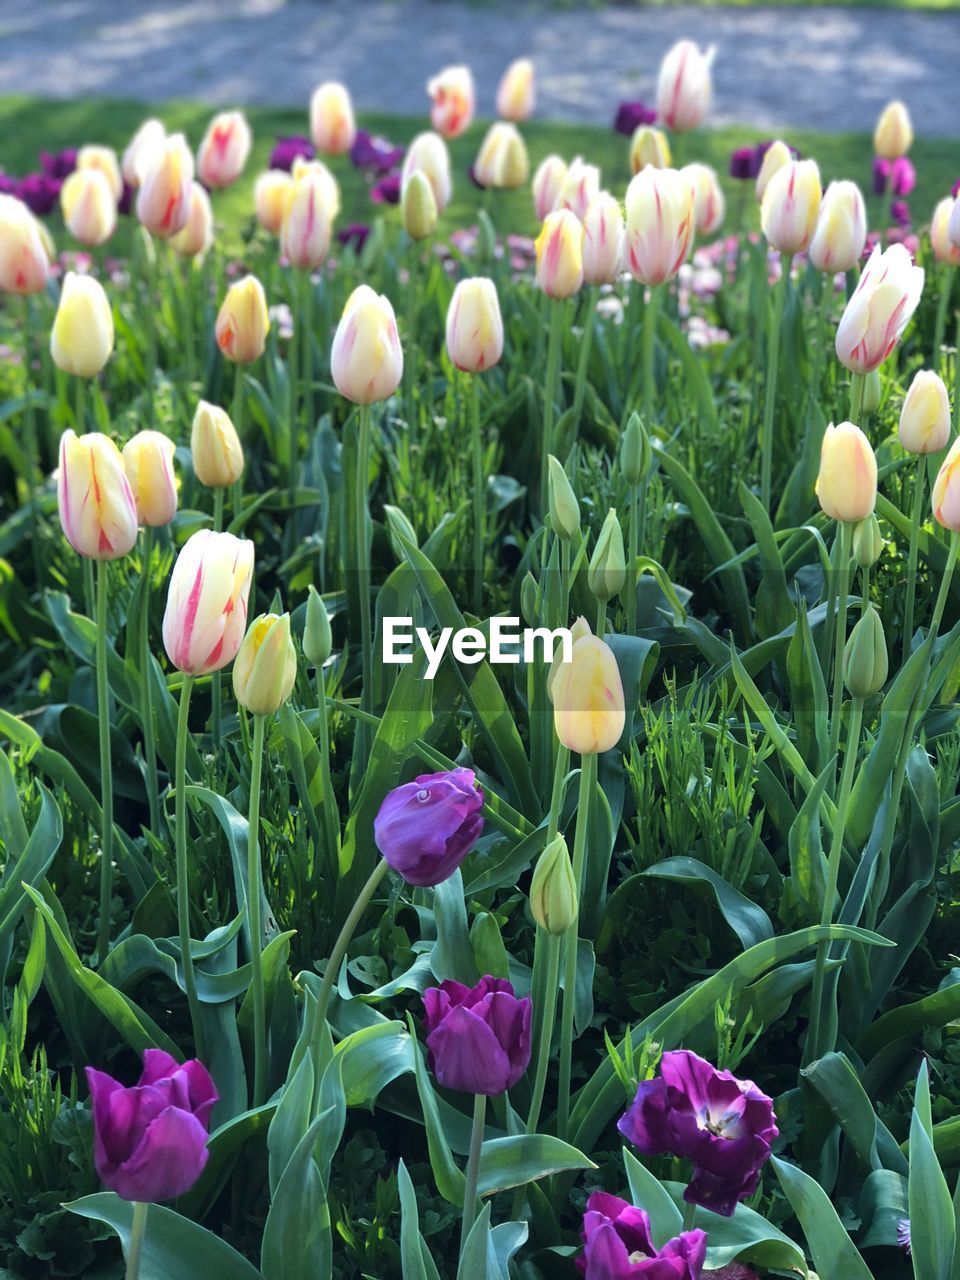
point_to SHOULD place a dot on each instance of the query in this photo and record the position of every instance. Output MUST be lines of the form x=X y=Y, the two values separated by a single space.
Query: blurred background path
x=809 y=68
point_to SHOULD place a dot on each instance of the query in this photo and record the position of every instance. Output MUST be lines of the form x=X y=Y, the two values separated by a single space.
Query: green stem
x=822 y=333
x=149 y=739
x=34 y=465
x=152 y=339
x=237 y=416
x=858 y=382
x=944 y=591
x=583 y=363
x=915 y=518
x=361 y=516
x=770 y=391
x=307 y=355
x=956 y=381
x=80 y=407
x=941 y=321
x=550 y=391
x=470 y=1206
x=216 y=679
x=331 y=818
x=689 y=1216
x=479 y=491
x=332 y=969
x=840 y=634
x=547 y=1024
x=633 y=551
x=89 y=590
x=183 y=866
x=106 y=774
x=409 y=370
x=138 y=1227
x=253 y=914
x=293 y=388
x=649 y=342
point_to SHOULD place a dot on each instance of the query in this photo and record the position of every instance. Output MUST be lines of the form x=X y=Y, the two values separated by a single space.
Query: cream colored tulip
x=709 y=204
x=847 y=484
x=88 y=207
x=516 y=93
x=428 y=154
x=142 y=147
x=580 y=185
x=103 y=160
x=560 y=254
x=649 y=146
x=215 y=447
x=266 y=666
x=196 y=238
x=588 y=699
x=944 y=249
x=791 y=206
x=24 y=258
x=166 y=183
x=547 y=183
x=474 y=326
x=946 y=490
x=453 y=97
x=271 y=194
x=332 y=125
x=684 y=86
x=603 y=240
x=96 y=505
x=925 y=416
x=81 y=340
x=223 y=153
x=307 y=223
x=893 y=136
x=148 y=463
x=841 y=230
x=243 y=321
x=885 y=298
x=775 y=157
x=660 y=224
x=367 y=360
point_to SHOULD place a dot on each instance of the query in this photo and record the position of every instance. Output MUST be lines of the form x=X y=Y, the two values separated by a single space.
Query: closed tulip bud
x=608 y=566
x=302 y=168
x=580 y=628
x=103 y=160
x=944 y=249
x=166 y=181
x=649 y=148
x=474 y=326
x=553 y=889
x=925 y=416
x=428 y=154
x=196 y=238
x=872 y=392
x=867 y=542
x=215 y=447
x=514 y=170
x=97 y=509
x=893 y=136
x=82 y=336
x=399 y=530
x=564 y=508
x=953 y=224
x=271 y=193
x=580 y=186
x=530 y=599
x=560 y=254
x=775 y=158
x=516 y=92
x=487 y=166
x=603 y=240
x=206 y=613
x=367 y=359
x=660 y=224
x=452 y=96
x=244 y=322
x=636 y=456
x=148 y=462
x=317 y=635
x=841 y=230
x=266 y=665
x=791 y=205
x=885 y=298
x=588 y=699
x=24 y=262
x=946 y=490
x=332 y=125
x=88 y=206
x=142 y=147
x=865 y=663
x=684 y=87
x=547 y=182
x=223 y=153
x=307 y=223
x=709 y=204
x=419 y=207
x=847 y=483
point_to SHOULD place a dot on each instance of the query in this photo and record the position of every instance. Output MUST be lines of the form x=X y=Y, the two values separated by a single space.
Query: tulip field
x=479 y=730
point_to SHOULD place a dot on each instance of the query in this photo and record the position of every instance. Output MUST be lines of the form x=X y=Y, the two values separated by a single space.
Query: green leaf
x=932 y=1220
x=749 y=922
x=479 y=1260
x=31 y=865
x=834 y=1254
x=649 y=1194
x=415 y=1257
x=523 y=1158
x=746 y=1236
x=450 y=1181
x=835 y=1080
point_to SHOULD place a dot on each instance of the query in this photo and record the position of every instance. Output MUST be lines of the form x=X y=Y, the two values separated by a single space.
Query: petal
x=168 y=1160
x=466 y=1055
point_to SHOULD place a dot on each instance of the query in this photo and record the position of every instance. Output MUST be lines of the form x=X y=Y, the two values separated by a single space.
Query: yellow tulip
x=148 y=463
x=847 y=483
x=925 y=416
x=649 y=146
x=367 y=360
x=271 y=194
x=893 y=136
x=791 y=205
x=103 y=160
x=474 y=326
x=560 y=254
x=166 y=181
x=516 y=92
x=215 y=447
x=197 y=236
x=243 y=322
x=946 y=490
x=588 y=698
x=82 y=336
x=88 y=207
x=332 y=126
x=266 y=665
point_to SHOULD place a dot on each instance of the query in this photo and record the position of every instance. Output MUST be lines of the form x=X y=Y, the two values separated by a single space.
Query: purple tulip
x=125 y=203
x=903 y=1236
x=900 y=212
x=725 y=1126
x=881 y=175
x=744 y=164
x=354 y=234
x=630 y=115
x=427 y=827
x=150 y=1141
x=617 y=1245
x=59 y=164
x=371 y=152
x=387 y=190
x=955 y=189
x=39 y=192
x=286 y=150
x=903 y=177
x=478 y=1038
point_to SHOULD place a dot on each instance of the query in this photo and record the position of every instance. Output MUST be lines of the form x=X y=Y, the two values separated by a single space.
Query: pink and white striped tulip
x=97 y=509
x=709 y=205
x=547 y=183
x=660 y=224
x=141 y=148
x=88 y=206
x=223 y=153
x=103 y=160
x=474 y=325
x=307 y=222
x=24 y=261
x=197 y=236
x=883 y=302
x=684 y=86
x=603 y=240
x=206 y=614
x=166 y=181
x=942 y=242
x=271 y=194
x=367 y=360
x=580 y=185
x=453 y=100
x=841 y=230
x=560 y=254
x=946 y=490
x=791 y=206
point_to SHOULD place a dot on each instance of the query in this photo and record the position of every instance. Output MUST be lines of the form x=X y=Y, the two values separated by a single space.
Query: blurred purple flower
x=955 y=189
x=371 y=152
x=59 y=164
x=426 y=828
x=39 y=192
x=355 y=235
x=904 y=176
x=8 y=184
x=286 y=150
x=881 y=175
x=744 y=163
x=900 y=212
x=125 y=203
x=478 y=1038
x=617 y=1245
x=630 y=115
x=387 y=190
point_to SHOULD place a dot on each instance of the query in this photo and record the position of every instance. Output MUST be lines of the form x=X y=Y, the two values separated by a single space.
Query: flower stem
x=473 y=1168
x=649 y=341
x=183 y=877
x=149 y=741
x=915 y=516
x=332 y=969
x=946 y=288
x=308 y=352
x=106 y=775
x=253 y=914
x=237 y=416
x=944 y=591
x=633 y=551
x=363 y=571
x=583 y=363
x=547 y=1024
x=138 y=1227
x=216 y=679
x=770 y=391
x=840 y=635
x=331 y=818
x=858 y=382
x=479 y=491
x=550 y=397
x=293 y=387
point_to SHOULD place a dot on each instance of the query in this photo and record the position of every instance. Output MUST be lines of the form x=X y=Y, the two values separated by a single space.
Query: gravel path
x=816 y=68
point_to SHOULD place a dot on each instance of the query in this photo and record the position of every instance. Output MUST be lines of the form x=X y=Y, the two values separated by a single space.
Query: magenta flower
x=617 y=1245
x=725 y=1126
x=59 y=164
x=955 y=189
x=150 y=1140
x=39 y=192
x=630 y=115
x=744 y=163
x=427 y=827
x=286 y=150
x=478 y=1038
x=371 y=152
x=354 y=234
x=903 y=177
x=387 y=190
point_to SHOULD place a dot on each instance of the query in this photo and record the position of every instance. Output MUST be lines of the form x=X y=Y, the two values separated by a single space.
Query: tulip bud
x=215 y=446
x=367 y=359
x=400 y=530
x=553 y=889
x=684 y=87
x=530 y=599
x=925 y=416
x=307 y=223
x=142 y=147
x=97 y=509
x=514 y=168
x=24 y=262
x=428 y=154
x=196 y=238
x=547 y=183
x=222 y=155
x=872 y=392
x=206 y=613
x=502 y=158
x=588 y=698
x=847 y=483
x=271 y=193
x=944 y=249
x=564 y=508
x=516 y=92
x=841 y=230
x=709 y=204
x=580 y=628
x=244 y=322
x=946 y=490
x=865 y=663
x=474 y=326
x=603 y=240
x=88 y=206
x=332 y=125
x=418 y=206
x=166 y=182
x=452 y=95
x=649 y=148
x=303 y=168
x=82 y=336
x=148 y=463
x=885 y=298
x=775 y=158
x=102 y=160
x=867 y=542
x=580 y=186
x=791 y=204
x=608 y=566
x=317 y=636
x=560 y=254
x=893 y=136
x=266 y=665
x=660 y=224
x=636 y=456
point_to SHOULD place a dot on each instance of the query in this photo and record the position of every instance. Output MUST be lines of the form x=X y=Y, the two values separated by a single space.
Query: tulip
x=418 y=207
x=564 y=508
x=166 y=181
x=841 y=230
x=332 y=126
x=709 y=204
x=367 y=359
x=426 y=828
x=98 y=513
x=88 y=206
x=618 y=1245
x=946 y=490
x=266 y=665
x=516 y=92
x=82 y=336
x=649 y=147
x=608 y=568
x=953 y=226
x=580 y=185
x=547 y=183
x=102 y=160
x=636 y=457
x=141 y=149
x=660 y=224
x=150 y=1140
x=925 y=416
x=553 y=889
x=885 y=298
x=502 y=159
x=317 y=636
x=196 y=238
x=428 y=154
x=775 y=158
x=271 y=193
x=865 y=661
x=941 y=239
x=478 y=1038
x=847 y=484
x=588 y=698
x=603 y=240
x=893 y=135
x=303 y=168
x=474 y=326
x=452 y=95
x=307 y=222
x=223 y=153
x=684 y=87
x=24 y=261
x=790 y=206
x=867 y=542
x=560 y=254
x=206 y=614
x=580 y=628
x=215 y=446
x=243 y=322
x=148 y=463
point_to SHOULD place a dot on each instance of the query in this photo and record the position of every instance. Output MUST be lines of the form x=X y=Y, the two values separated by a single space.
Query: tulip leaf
x=749 y=922
x=525 y=1157
x=30 y=866
x=415 y=1258
x=373 y=1057
x=649 y=1194
x=452 y=954
x=450 y=1181
x=932 y=1221
x=478 y=1261
x=834 y=1254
